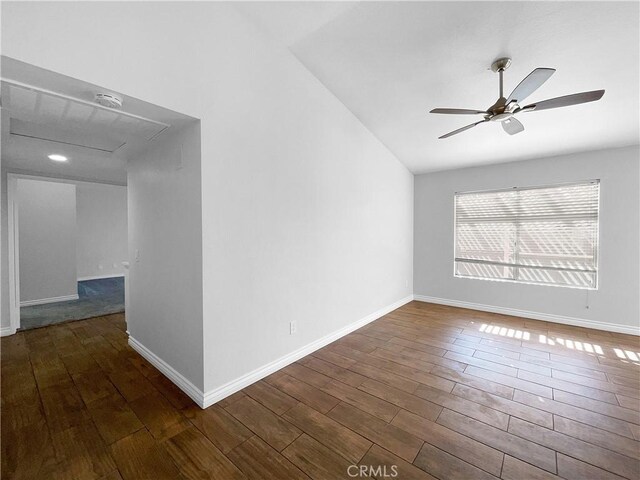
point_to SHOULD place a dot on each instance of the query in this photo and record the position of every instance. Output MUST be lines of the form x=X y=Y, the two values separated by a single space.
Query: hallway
x=98 y=297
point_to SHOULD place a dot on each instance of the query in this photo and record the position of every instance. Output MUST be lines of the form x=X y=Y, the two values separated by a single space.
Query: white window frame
x=516 y=266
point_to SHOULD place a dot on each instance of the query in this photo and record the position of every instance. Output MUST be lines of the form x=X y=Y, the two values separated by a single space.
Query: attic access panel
x=76 y=137
x=42 y=110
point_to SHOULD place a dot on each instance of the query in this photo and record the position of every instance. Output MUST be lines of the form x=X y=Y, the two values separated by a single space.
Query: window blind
x=541 y=235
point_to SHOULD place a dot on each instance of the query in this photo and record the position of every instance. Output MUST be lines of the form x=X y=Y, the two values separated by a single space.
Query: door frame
x=14 y=251
x=13 y=234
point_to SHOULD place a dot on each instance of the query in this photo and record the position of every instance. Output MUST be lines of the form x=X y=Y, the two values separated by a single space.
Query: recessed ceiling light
x=57 y=158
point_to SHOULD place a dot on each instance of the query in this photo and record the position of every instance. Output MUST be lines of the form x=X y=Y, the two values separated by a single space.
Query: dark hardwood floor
x=425 y=392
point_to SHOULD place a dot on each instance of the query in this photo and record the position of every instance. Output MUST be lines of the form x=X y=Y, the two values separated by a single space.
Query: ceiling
x=389 y=63
x=392 y=62
x=289 y=22
x=46 y=113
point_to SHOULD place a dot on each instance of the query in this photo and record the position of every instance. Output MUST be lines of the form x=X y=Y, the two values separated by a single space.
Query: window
x=541 y=235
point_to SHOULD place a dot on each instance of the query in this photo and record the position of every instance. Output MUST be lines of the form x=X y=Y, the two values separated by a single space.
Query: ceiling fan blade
x=530 y=84
x=567 y=100
x=447 y=135
x=457 y=111
x=512 y=126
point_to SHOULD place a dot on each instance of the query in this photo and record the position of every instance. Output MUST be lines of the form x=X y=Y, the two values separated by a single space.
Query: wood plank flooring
x=426 y=392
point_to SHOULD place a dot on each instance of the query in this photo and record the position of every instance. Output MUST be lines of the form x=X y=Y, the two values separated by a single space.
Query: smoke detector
x=108 y=100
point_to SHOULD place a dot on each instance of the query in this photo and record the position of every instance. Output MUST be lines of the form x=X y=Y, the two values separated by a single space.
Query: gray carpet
x=97 y=298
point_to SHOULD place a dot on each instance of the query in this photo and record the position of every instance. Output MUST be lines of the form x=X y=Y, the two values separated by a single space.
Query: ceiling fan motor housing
x=500 y=117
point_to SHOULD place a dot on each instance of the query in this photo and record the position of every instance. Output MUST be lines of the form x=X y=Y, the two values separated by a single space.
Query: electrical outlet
x=293 y=327
x=137 y=255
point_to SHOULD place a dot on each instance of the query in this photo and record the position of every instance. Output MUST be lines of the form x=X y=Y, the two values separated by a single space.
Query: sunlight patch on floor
x=625 y=356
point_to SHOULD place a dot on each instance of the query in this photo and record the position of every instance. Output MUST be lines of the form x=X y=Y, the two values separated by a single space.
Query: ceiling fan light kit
x=504 y=109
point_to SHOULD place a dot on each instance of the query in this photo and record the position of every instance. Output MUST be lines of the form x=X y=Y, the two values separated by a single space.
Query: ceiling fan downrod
x=499 y=66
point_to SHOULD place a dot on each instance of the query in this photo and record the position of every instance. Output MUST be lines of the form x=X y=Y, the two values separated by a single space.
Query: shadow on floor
x=97 y=297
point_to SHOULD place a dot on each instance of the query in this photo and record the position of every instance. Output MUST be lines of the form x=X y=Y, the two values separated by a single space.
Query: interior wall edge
x=547 y=317
x=168 y=371
x=229 y=388
x=206 y=399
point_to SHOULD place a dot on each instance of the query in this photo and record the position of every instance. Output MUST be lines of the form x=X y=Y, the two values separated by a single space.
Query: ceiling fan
x=504 y=109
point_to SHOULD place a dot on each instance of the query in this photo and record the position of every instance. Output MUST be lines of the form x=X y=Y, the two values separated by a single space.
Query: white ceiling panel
x=48 y=107
x=79 y=112
x=57 y=134
x=102 y=118
x=21 y=98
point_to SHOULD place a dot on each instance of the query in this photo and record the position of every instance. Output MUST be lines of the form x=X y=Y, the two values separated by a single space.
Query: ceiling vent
x=108 y=100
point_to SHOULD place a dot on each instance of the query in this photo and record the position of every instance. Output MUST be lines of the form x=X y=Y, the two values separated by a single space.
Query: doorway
x=56 y=130
x=70 y=245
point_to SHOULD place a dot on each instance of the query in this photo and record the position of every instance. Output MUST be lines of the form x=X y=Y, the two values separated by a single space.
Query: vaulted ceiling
x=392 y=62
x=389 y=63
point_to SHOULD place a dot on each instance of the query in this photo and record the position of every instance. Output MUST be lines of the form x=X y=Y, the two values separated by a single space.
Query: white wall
x=305 y=215
x=101 y=230
x=165 y=250
x=47 y=232
x=616 y=303
x=4 y=256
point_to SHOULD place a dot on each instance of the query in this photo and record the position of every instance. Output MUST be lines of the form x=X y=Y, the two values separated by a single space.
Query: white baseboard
x=548 y=317
x=6 y=331
x=207 y=399
x=177 y=378
x=217 y=394
x=100 y=277
x=42 y=301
